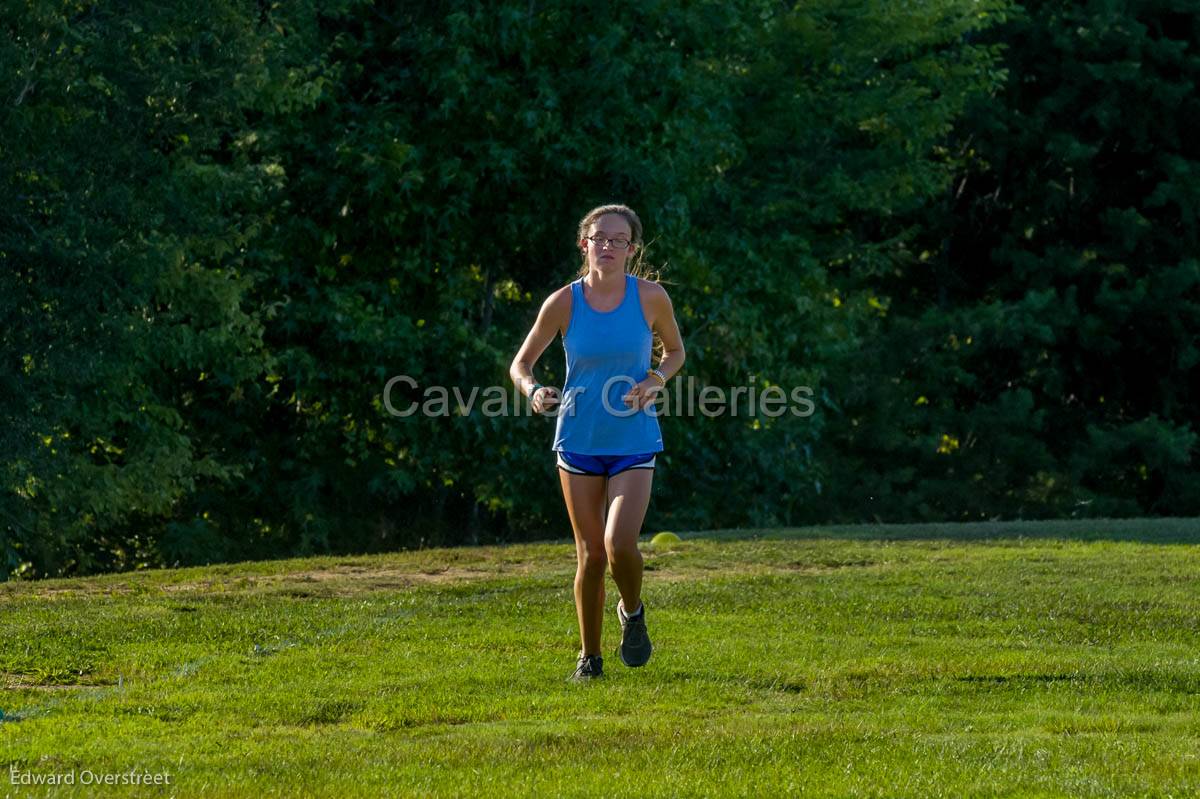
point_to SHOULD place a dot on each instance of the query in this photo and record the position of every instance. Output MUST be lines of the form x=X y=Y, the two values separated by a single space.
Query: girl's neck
x=601 y=282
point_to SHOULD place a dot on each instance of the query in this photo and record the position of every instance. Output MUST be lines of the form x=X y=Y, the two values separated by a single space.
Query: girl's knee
x=593 y=559
x=622 y=550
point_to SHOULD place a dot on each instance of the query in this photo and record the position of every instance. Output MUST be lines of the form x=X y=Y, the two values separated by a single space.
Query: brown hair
x=636 y=266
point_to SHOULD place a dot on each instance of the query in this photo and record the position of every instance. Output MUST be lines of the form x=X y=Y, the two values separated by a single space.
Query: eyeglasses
x=618 y=244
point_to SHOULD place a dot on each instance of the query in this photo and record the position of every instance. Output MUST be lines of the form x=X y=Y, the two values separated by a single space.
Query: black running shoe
x=589 y=668
x=635 y=642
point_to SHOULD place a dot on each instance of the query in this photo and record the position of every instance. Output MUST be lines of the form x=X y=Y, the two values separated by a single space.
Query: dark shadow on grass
x=1147 y=531
x=1139 y=680
x=1020 y=679
x=780 y=685
x=329 y=711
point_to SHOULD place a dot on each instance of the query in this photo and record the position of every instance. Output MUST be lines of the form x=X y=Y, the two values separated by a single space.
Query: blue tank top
x=614 y=347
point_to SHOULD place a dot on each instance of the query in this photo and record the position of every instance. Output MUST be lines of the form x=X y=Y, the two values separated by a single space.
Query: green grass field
x=1007 y=659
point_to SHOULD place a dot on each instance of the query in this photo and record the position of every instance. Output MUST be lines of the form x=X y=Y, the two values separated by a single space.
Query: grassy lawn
x=1007 y=659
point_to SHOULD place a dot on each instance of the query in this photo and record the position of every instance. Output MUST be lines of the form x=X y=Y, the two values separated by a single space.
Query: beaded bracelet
x=657 y=374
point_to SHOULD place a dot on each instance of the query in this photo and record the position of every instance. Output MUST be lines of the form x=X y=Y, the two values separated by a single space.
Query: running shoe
x=635 y=643
x=589 y=667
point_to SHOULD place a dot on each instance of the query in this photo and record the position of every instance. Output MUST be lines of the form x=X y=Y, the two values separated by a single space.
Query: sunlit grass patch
x=1057 y=661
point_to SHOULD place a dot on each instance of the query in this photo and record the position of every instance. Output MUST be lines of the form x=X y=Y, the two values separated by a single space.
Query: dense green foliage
x=222 y=231
x=1039 y=355
x=127 y=337
x=1047 y=659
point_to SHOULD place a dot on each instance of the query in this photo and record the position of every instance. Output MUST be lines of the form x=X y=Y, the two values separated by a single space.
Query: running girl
x=607 y=435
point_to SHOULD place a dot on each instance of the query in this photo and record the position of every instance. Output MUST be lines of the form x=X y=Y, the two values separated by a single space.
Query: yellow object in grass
x=664 y=539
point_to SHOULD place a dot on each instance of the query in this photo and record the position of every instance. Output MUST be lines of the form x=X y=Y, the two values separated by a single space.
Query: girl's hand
x=544 y=398
x=643 y=393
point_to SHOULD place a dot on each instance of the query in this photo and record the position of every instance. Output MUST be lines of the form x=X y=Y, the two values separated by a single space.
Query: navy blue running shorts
x=603 y=465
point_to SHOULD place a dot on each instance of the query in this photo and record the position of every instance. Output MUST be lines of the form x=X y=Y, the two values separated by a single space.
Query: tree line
x=969 y=228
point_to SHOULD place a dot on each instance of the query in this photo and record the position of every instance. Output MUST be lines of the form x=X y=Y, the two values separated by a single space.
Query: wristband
x=657 y=374
x=533 y=390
